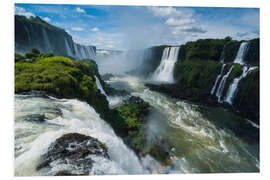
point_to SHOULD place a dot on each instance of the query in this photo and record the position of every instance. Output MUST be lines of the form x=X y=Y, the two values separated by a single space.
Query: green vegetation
x=204 y=49
x=253 y=54
x=248 y=97
x=199 y=75
x=38 y=21
x=231 y=50
x=132 y=116
x=60 y=76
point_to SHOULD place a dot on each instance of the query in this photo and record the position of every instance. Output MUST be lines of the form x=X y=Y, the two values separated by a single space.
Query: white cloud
x=95 y=29
x=47 y=19
x=164 y=11
x=182 y=21
x=23 y=12
x=77 y=29
x=80 y=10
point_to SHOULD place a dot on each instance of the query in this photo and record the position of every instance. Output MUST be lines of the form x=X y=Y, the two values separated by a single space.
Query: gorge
x=187 y=108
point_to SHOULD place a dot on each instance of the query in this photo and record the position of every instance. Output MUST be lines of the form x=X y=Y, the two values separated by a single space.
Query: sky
x=131 y=27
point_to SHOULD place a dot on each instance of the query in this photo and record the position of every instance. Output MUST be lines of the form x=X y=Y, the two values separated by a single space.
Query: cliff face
x=151 y=60
x=36 y=33
x=206 y=72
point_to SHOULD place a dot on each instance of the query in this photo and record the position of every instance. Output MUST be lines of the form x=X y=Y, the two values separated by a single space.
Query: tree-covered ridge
x=212 y=49
x=37 y=20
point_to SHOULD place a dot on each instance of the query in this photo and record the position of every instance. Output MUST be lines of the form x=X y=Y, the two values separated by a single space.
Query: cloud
x=180 y=22
x=47 y=19
x=80 y=10
x=77 y=29
x=164 y=11
x=23 y=12
x=177 y=22
x=95 y=29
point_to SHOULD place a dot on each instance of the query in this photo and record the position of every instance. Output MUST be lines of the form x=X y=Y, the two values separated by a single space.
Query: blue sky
x=125 y=27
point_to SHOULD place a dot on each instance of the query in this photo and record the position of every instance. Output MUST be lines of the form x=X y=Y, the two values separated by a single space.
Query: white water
x=69 y=52
x=199 y=145
x=233 y=87
x=164 y=72
x=241 y=53
x=222 y=85
x=217 y=79
x=32 y=138
x=83 y=52
x=46 y=40
x=99 y=86
x=221 y=59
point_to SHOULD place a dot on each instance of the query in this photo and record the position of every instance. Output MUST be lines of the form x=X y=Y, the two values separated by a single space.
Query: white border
x=7 y=85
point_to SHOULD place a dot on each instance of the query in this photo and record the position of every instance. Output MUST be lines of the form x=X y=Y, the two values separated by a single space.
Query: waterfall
x=47 y=43
x=241 y=53
x=164 y=72
x=217 y=79
x=233 y=87
x=77 y=53
x=69 y=52
x=28 y=36
x=34 y=138
x=222 y=85
x=99 y=86
x=222 y=56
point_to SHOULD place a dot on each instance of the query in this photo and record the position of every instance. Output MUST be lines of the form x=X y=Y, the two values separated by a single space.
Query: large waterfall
x=164 y=72
x=217 y=79
x=63 y=116
x=54 y=40
x=241 y=53
x=222 y=85
x=233 y=87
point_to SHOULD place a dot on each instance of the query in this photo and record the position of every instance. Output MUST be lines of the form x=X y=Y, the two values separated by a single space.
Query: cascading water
x=217 y=79
x=233 y=87
x=197 y=144
x=33 y=136
x=46 y=40
x=164 y=72
x=222 y=85
x=99 y=86
x=69 y=52
x=222 y=56
x=241 y=53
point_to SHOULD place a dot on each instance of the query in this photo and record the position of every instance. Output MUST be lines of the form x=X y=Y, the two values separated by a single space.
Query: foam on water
x=77 y=117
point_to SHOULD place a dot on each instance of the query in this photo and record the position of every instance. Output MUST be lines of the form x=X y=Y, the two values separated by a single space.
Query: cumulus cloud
x=164 y=11
x=23 y=12
x=95 y=29
x=180 y=22
x=47 y=19
x=80 y=10
x=77 y=29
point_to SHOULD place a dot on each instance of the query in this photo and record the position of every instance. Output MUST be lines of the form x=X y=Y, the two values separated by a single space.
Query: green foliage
x=132 y=117
x=248 y=96
x=18 y=57
x=35 y=51
x=253 y=54
x=62 y=77
x=204 y=49
x=199 y=75
x=231 y=50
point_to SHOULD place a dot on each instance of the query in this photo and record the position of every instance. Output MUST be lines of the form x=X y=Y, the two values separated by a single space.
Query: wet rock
x=73 y=151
